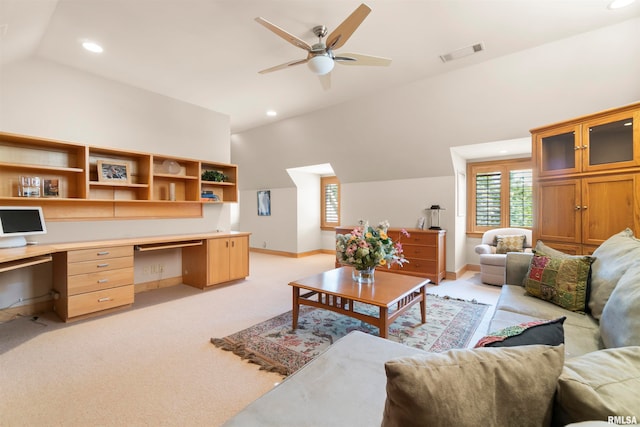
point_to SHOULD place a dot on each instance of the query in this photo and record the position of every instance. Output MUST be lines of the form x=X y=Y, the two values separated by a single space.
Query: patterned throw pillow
x=506 y=244
x=544 y=332
x=559 y=280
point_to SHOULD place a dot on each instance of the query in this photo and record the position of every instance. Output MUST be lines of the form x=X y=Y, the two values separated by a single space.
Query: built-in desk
x=95 y=277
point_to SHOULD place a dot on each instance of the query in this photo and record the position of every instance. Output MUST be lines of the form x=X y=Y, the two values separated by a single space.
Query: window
x=330 y=202
x=500 y=195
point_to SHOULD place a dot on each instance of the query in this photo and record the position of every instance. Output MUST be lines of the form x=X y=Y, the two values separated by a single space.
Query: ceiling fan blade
x=360 y=59
x=284 y=34
x=341 y=34
x=325 y=81
x=285 y=65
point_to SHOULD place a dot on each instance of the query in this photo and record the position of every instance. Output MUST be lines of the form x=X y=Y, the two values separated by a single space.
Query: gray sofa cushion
x=473 y=387
x=620 y=321
x=613 y=257
x=578 y=340
x=598 y=385
x=344 y=386
x=516 y=299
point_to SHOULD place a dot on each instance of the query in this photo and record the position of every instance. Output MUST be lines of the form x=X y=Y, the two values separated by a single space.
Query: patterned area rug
x=274 y=346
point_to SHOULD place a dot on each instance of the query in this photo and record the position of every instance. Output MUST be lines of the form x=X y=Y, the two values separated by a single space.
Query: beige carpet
x=153 y=364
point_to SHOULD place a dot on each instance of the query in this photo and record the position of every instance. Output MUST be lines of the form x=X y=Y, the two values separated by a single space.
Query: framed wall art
x=264 y=203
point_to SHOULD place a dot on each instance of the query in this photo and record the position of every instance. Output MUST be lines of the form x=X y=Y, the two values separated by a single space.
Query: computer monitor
x=16 y=222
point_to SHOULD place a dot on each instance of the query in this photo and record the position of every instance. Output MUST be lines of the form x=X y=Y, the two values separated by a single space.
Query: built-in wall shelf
x=81 y=182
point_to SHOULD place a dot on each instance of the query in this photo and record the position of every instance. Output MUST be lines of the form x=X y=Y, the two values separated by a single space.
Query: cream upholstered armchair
x=493 y=251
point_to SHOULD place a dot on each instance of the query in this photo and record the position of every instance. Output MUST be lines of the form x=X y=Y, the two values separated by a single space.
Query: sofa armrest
x=516 y=267
x=484 y=249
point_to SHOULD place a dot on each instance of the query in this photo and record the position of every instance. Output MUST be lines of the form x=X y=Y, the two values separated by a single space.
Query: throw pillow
x=509 y=243
x=599 y=384
x=546 y=332
x=542 y=249
x=620 y=320
x=465 y=387
x=559 y=280
x=614 y=257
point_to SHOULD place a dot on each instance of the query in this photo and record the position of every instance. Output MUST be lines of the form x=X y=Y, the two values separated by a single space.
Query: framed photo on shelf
x=113 y=171
x=264 y=203
x=51 y=187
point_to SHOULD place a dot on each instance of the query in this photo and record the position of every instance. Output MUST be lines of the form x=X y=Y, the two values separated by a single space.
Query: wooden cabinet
x=73 y=186
x=598 y=143
x=425 y=250
x=92 y=280
x=220 y=260
x=587 y=174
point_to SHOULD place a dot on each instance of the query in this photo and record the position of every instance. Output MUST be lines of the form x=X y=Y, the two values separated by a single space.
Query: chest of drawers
x=92 y=280
x=424 y=249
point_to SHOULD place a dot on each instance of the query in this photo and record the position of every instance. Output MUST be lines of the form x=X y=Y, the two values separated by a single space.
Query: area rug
x=274 y=346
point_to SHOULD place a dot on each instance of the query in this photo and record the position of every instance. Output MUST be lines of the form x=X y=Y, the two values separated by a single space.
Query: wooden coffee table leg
x=296 y=306
x=423 y=304
x=384 y=322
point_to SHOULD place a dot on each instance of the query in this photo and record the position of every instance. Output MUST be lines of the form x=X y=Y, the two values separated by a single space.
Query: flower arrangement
x=367 y=247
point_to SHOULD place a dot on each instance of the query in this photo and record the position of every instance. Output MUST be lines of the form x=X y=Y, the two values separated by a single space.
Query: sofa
x=493 y=249
x=364 y=380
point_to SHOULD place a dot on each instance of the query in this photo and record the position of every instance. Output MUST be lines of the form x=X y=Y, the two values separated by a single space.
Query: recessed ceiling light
x=617 y=4
x=271 y=113
x=92 y=47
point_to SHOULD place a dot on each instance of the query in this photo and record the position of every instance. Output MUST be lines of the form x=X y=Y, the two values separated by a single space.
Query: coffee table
x=335 y=290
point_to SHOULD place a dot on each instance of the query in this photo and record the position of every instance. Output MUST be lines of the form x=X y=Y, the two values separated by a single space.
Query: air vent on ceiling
x=460 y=53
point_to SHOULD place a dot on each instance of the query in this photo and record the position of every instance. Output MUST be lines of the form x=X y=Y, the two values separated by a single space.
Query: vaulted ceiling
x=209 y=52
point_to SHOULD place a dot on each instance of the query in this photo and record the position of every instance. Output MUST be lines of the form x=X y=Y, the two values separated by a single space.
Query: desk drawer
x=99 y=253
x=99 y=300
x=89 y=282
x=99 y=265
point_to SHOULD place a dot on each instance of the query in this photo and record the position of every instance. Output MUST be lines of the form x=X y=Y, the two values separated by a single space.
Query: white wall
x=277 y=232
x=308 y=211
x=45 y=99
x=405 y=134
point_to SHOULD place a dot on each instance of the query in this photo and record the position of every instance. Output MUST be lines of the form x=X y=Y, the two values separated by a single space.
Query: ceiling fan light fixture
x=321 y=64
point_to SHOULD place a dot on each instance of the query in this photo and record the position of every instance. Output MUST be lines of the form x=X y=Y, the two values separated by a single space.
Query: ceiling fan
x=320 y=56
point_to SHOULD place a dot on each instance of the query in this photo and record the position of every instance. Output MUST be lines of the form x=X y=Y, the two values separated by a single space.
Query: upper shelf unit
x=49 y=172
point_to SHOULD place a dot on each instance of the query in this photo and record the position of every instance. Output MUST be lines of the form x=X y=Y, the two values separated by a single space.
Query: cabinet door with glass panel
x=606 y=142
x=558 y=150
x=611 y=141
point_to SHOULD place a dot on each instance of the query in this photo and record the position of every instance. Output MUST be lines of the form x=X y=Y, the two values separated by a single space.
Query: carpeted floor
x=153 y=364
x=274 y=346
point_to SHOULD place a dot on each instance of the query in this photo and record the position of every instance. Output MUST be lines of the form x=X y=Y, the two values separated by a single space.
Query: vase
x=364 y=276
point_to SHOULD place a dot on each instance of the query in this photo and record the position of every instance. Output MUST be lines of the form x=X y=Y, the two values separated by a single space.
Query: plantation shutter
x=331 y=203
x=488 y=207
x=520 y=198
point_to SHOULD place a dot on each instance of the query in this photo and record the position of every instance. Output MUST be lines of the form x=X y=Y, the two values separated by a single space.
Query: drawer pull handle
x=105 y=299
x=103 y=253
x=103 y=280
x=102 y=265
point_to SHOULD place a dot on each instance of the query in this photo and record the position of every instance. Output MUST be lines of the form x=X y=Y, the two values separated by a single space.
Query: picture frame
x=113 y=171
x=51 y=187
x=264 y=202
